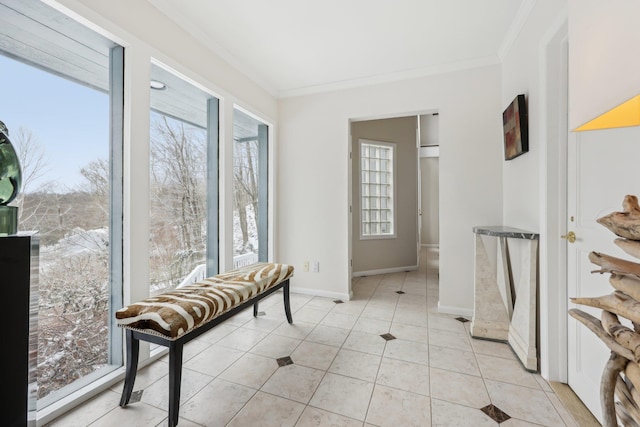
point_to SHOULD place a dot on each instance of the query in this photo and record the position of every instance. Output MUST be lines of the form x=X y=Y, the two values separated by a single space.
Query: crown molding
x=390 y=77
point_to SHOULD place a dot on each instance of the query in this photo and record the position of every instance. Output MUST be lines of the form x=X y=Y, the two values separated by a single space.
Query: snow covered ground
x=77 y=242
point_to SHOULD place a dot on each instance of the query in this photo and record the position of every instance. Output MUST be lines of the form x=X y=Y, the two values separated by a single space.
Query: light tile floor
x=427 y=372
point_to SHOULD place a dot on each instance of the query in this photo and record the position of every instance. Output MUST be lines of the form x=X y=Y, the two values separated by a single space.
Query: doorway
x=416 y=193
x=429 y=181
x=384 y=200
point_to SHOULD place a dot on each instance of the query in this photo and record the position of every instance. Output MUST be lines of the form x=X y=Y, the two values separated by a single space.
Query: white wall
x=605 y=64
x=313 y=176
x=521 y=73
x=524 y=70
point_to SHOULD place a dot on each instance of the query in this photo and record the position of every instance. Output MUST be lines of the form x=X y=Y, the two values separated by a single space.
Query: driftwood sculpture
x=626 y=223
x=621 y=376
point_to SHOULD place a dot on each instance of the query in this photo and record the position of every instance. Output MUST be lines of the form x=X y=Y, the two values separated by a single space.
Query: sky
x=69 y=121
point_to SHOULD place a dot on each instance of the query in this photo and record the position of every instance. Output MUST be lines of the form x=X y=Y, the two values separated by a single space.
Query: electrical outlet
x=315 y=266
x=305 y=267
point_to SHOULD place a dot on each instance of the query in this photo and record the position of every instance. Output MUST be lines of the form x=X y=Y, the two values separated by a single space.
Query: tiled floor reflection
x=385 y=358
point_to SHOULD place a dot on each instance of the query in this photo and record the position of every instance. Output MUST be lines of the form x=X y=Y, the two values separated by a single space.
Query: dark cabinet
x=19 y=278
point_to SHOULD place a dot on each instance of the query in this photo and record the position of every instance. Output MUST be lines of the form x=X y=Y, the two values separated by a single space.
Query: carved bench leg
x=287 y=306
x=175 y=377
x=133 y=350
x=255 y=309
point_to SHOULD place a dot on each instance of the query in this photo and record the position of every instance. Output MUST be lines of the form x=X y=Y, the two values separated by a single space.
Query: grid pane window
x=376 y=188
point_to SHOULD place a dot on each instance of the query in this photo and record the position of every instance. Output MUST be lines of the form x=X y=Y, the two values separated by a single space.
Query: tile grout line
x=375 y=381
x=333 y=360
x=274 y=372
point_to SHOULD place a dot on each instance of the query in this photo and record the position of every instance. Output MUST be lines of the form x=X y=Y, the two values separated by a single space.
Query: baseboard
x=524 y=350
x=430 y=245
x=321 y=293
x=458 y=311
x=384 y=271
x=579 y=412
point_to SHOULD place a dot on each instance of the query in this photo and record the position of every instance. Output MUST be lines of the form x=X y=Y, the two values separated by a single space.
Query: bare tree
x=98 y=185
x=32 y=158
x=33 y=163
x=178 y=203
x=72 y=320
x=96 y=174
x=245 y=173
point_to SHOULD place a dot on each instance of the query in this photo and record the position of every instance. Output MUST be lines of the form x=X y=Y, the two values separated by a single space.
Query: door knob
x=570 y=236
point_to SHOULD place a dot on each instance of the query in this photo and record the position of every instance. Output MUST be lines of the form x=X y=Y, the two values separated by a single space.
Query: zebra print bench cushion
x=174 y=313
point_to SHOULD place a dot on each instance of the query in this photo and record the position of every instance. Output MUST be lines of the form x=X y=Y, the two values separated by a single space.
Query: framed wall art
x=515 y=127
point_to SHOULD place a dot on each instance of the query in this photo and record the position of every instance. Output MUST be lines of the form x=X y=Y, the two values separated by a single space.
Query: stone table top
x=503 y=231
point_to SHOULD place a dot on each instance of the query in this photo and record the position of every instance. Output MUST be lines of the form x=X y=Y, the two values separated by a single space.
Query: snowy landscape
x=72 y=223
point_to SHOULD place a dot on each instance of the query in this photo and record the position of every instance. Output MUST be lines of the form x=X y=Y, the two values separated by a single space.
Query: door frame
x=350 y=170
x=554 y=108
x=419 y=170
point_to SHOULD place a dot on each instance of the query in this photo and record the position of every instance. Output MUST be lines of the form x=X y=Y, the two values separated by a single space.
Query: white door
x=602 y=169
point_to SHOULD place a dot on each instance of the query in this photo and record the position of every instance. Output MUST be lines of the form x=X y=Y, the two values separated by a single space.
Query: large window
x=183 y=182
x=250 y=183
x=62 y=87
x=377 y=189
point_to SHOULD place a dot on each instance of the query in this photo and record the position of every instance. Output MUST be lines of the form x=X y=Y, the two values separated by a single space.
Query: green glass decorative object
x=10 y=182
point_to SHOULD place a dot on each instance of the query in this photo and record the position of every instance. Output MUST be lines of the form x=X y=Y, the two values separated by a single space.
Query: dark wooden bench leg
x=176 y=350
x=175 y=377
x=133 y=350
x=287 y=306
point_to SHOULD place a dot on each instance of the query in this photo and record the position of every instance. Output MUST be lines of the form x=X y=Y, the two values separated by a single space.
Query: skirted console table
x=505 y=307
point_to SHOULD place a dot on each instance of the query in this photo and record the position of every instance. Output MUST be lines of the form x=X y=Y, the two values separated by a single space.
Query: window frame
x=75 y=39
x=393 y=199
x=263 y=138
x=177 y=83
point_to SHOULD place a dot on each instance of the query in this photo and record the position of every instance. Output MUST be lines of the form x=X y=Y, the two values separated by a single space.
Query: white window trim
x=394 y=224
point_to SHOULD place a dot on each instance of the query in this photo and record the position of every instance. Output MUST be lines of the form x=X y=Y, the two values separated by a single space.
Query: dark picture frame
x=515 y=128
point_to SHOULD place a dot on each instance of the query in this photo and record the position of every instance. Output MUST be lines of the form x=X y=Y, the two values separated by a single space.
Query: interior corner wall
x=524 y=72
x=604 y=66
x=521 y=75
x=399 y=252
x=314 y=173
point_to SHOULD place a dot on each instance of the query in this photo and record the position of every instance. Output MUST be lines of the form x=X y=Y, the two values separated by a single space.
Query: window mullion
x=213 y=180
x=116 y=97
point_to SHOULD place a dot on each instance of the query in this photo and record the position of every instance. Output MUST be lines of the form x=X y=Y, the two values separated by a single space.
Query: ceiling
x=295 y=47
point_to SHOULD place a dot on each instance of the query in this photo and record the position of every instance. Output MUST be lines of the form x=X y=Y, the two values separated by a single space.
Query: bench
x=174 y=318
